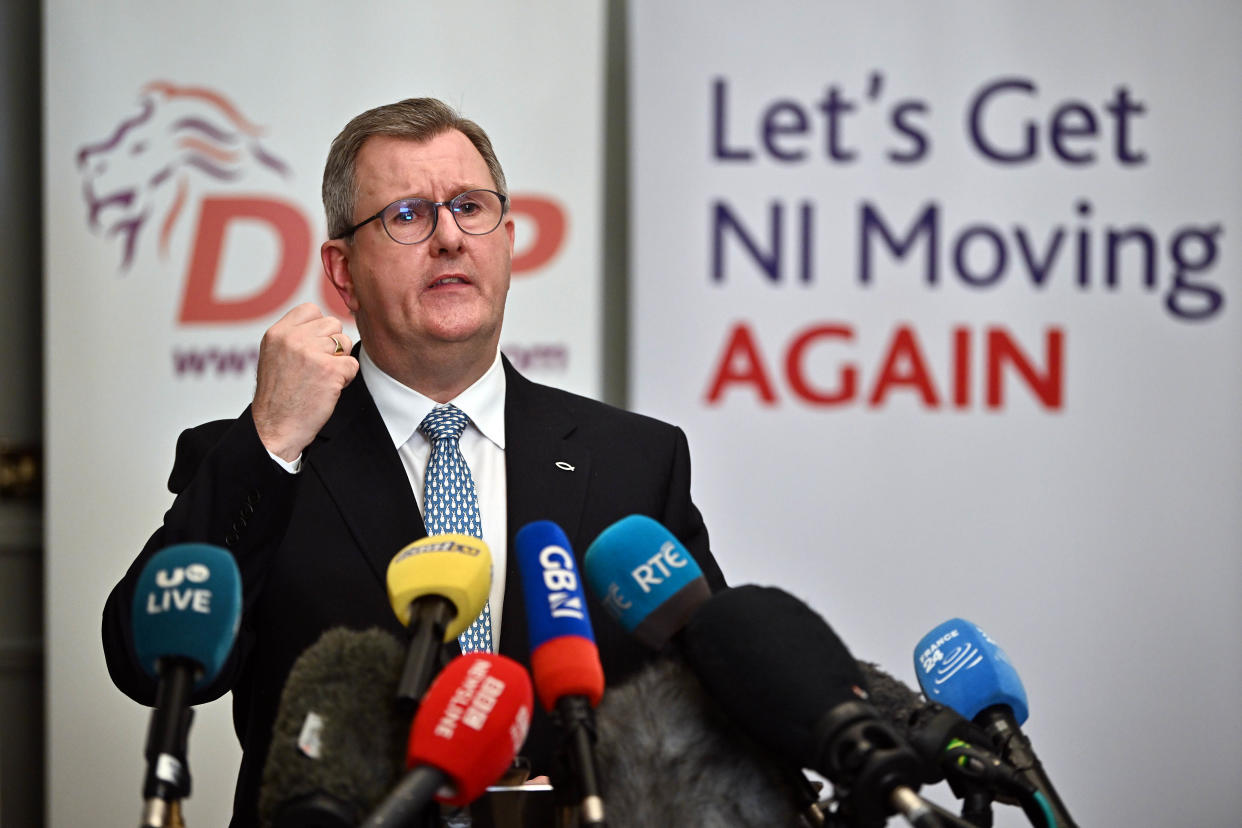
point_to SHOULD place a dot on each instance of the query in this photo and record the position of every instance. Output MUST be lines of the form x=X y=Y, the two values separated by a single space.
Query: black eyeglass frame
x=435 y=215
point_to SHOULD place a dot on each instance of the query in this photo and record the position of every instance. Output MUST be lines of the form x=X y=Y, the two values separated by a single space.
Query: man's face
x=449 y=288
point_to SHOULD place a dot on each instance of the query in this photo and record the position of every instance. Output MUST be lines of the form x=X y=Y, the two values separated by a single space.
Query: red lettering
x=961 y=367
x=741 y=365
x=903 y=365
x=904 y=348
x=548 y=219
x=200 y=303
x=1047 y=387
x=847 y=388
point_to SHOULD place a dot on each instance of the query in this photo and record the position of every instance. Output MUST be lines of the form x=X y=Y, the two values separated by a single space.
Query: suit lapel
x=546 y=474
x=355 y=459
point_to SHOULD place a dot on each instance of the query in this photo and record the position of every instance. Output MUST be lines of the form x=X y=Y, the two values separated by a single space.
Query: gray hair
x=418 y=119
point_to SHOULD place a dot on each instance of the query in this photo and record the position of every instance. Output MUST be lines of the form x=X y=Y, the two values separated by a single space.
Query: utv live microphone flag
x=437 y=586
x=645 y=578
x=186 y=612
x=961 y=667
x=472 y=722
x=569 y=678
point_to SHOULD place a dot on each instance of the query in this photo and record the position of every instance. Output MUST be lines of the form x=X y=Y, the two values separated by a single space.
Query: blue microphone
x=649 y=582
x=960 y=666
x=564 y=661
x=186 y=612
x=645 y=578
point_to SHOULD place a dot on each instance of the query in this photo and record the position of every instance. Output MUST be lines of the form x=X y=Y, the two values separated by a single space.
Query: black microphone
x=670 y=756
x=956 y=750
x=952 y=747
x=809 y=707
x=338 y=742
x=186 y=612
x=647 y=580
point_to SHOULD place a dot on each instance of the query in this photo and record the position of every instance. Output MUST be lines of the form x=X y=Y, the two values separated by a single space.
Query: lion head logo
x=139 y=177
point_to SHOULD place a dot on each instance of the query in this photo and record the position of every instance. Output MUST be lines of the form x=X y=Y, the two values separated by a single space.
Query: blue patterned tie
x=450 y=503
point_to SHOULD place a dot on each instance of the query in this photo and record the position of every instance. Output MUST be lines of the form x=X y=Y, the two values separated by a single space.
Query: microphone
x=958 y=665
x=339 y=737
x=955 y=750
x=564 y=659
x=437 y=586
x=652 y=586
x=646 y=579
x=186 y=612
x=812 y=708
x=670 y=756
x=935 y=732
x=467 y=731
x=640 y=571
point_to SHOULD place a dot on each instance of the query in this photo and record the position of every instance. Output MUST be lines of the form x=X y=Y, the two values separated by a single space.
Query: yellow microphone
x=437 y=586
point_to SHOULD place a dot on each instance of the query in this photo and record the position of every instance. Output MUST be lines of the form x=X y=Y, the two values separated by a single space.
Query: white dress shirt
x=482 y=446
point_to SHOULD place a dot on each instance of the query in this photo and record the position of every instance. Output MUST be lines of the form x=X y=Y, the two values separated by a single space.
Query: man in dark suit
x=319 y=482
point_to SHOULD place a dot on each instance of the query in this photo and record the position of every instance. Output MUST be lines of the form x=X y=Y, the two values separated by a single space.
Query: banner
x=185 y=145
x=946 y=298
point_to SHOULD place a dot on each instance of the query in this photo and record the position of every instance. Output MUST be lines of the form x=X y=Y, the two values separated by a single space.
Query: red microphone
x=470 y=725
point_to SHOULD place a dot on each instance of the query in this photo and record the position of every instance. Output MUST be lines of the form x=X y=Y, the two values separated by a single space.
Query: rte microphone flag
x=646 y=578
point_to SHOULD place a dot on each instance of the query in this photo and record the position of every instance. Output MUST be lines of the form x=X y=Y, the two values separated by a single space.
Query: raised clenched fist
x=304 y=364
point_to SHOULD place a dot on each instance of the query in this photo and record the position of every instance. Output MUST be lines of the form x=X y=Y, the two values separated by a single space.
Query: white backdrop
x=201 y=130
x=908 y=401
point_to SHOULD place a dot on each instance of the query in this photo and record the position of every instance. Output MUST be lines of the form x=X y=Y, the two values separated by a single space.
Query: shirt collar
x=402 y=408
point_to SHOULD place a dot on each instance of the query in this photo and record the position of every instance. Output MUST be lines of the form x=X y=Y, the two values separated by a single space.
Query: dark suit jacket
x=313 y=549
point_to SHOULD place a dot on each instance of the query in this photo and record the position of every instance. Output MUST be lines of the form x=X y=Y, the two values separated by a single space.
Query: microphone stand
x=864 y=756
x=576 y=720
x=167 y=779
x=1013 y=745
x=429 y=618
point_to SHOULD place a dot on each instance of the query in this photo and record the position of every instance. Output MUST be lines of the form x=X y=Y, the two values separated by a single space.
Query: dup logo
x=190 y=150
x=137 y=180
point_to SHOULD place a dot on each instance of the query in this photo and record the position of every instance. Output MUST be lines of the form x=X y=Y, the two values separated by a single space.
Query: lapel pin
x=563 y=466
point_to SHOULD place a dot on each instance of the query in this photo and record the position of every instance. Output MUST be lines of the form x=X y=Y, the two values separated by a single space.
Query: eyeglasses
x=413 y=220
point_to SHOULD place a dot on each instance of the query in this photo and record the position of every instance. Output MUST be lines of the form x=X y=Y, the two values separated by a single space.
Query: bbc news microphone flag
x=184 y=146
x=946 y=300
